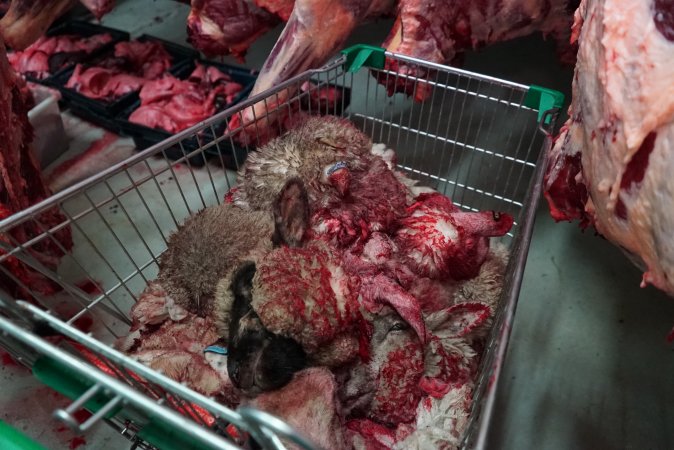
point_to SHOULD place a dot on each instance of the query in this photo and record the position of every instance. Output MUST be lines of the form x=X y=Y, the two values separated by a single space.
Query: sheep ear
x=383 y=291
x=291 y=214
x=459 y=320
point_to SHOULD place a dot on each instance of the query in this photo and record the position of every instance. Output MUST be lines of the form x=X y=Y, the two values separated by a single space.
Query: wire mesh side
x=471 y=139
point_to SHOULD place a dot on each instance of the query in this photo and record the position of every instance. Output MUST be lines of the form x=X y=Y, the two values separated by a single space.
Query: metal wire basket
x=477 y=139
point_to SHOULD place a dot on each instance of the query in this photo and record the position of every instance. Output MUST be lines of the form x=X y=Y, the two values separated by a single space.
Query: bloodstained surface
x=29 y=407
x=77 y=441
x=635 y=171
x=95 y=148
x=9 y=361
x=636 y=168
x=90 y=287
x=565 y=195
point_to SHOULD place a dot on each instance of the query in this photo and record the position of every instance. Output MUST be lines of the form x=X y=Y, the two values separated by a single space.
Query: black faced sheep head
x=258 y=360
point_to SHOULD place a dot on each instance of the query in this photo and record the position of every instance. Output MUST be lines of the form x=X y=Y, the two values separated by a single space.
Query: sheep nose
x=234 y=374
x=341 y=179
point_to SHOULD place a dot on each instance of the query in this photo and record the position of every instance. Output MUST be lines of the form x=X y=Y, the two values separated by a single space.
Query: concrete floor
x=588 y=365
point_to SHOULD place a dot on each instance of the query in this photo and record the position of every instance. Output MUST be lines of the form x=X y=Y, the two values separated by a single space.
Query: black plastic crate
x=93 y=117
x=109 y=109
x=84 y=29
x=145 y=137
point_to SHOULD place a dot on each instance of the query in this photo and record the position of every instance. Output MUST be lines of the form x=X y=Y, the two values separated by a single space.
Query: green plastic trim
x=168 y=438
x=364 y=55
x=60 y=378
x=543 y=99
x=13 y=439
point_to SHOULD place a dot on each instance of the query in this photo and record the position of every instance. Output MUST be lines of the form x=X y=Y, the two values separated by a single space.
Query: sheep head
x=212 y=243
x=449 y=360
x=321 y=151
x=304 y=298
x=440 y=241
x=309 y=404
x=258 y=360
x=402 y=369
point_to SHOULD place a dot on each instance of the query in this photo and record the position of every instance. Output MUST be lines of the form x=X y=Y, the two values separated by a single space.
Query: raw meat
x=282 y=8
x=21 y=186
x=134 y=63
x=174 y=105
x=437 y=31
x=322 y=99
x=27 y=20
x=166 y=337
x=148 y=59
x=611 y=165
x=49 y=54
x=429 y=29
x=315 y=30
x=223 y=27
x=99 y=7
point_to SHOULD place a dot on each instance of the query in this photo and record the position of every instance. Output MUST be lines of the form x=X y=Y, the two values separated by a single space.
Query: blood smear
x=90 y=287
x=76 y=442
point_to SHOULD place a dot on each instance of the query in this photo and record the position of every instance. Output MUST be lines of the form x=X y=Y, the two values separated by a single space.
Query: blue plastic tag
x=216 y=349
x=336 y=167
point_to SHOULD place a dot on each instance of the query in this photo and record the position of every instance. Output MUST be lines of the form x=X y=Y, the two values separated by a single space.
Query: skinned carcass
x=440 y=31
x=22 y=185
x=611 y=166
x=222 y=27
x=27 y=20
x=436 y=31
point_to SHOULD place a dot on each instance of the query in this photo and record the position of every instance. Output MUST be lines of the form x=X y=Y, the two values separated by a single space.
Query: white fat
x=218 y=362
x=447 y=230
x=421 y=258
x=418 y=190
x=175 y=312
x=208 y=27
x=337 y=286
x=387 y=154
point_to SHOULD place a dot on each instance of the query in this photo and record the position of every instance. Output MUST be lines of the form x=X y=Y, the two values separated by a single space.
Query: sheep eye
x=398 y=326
